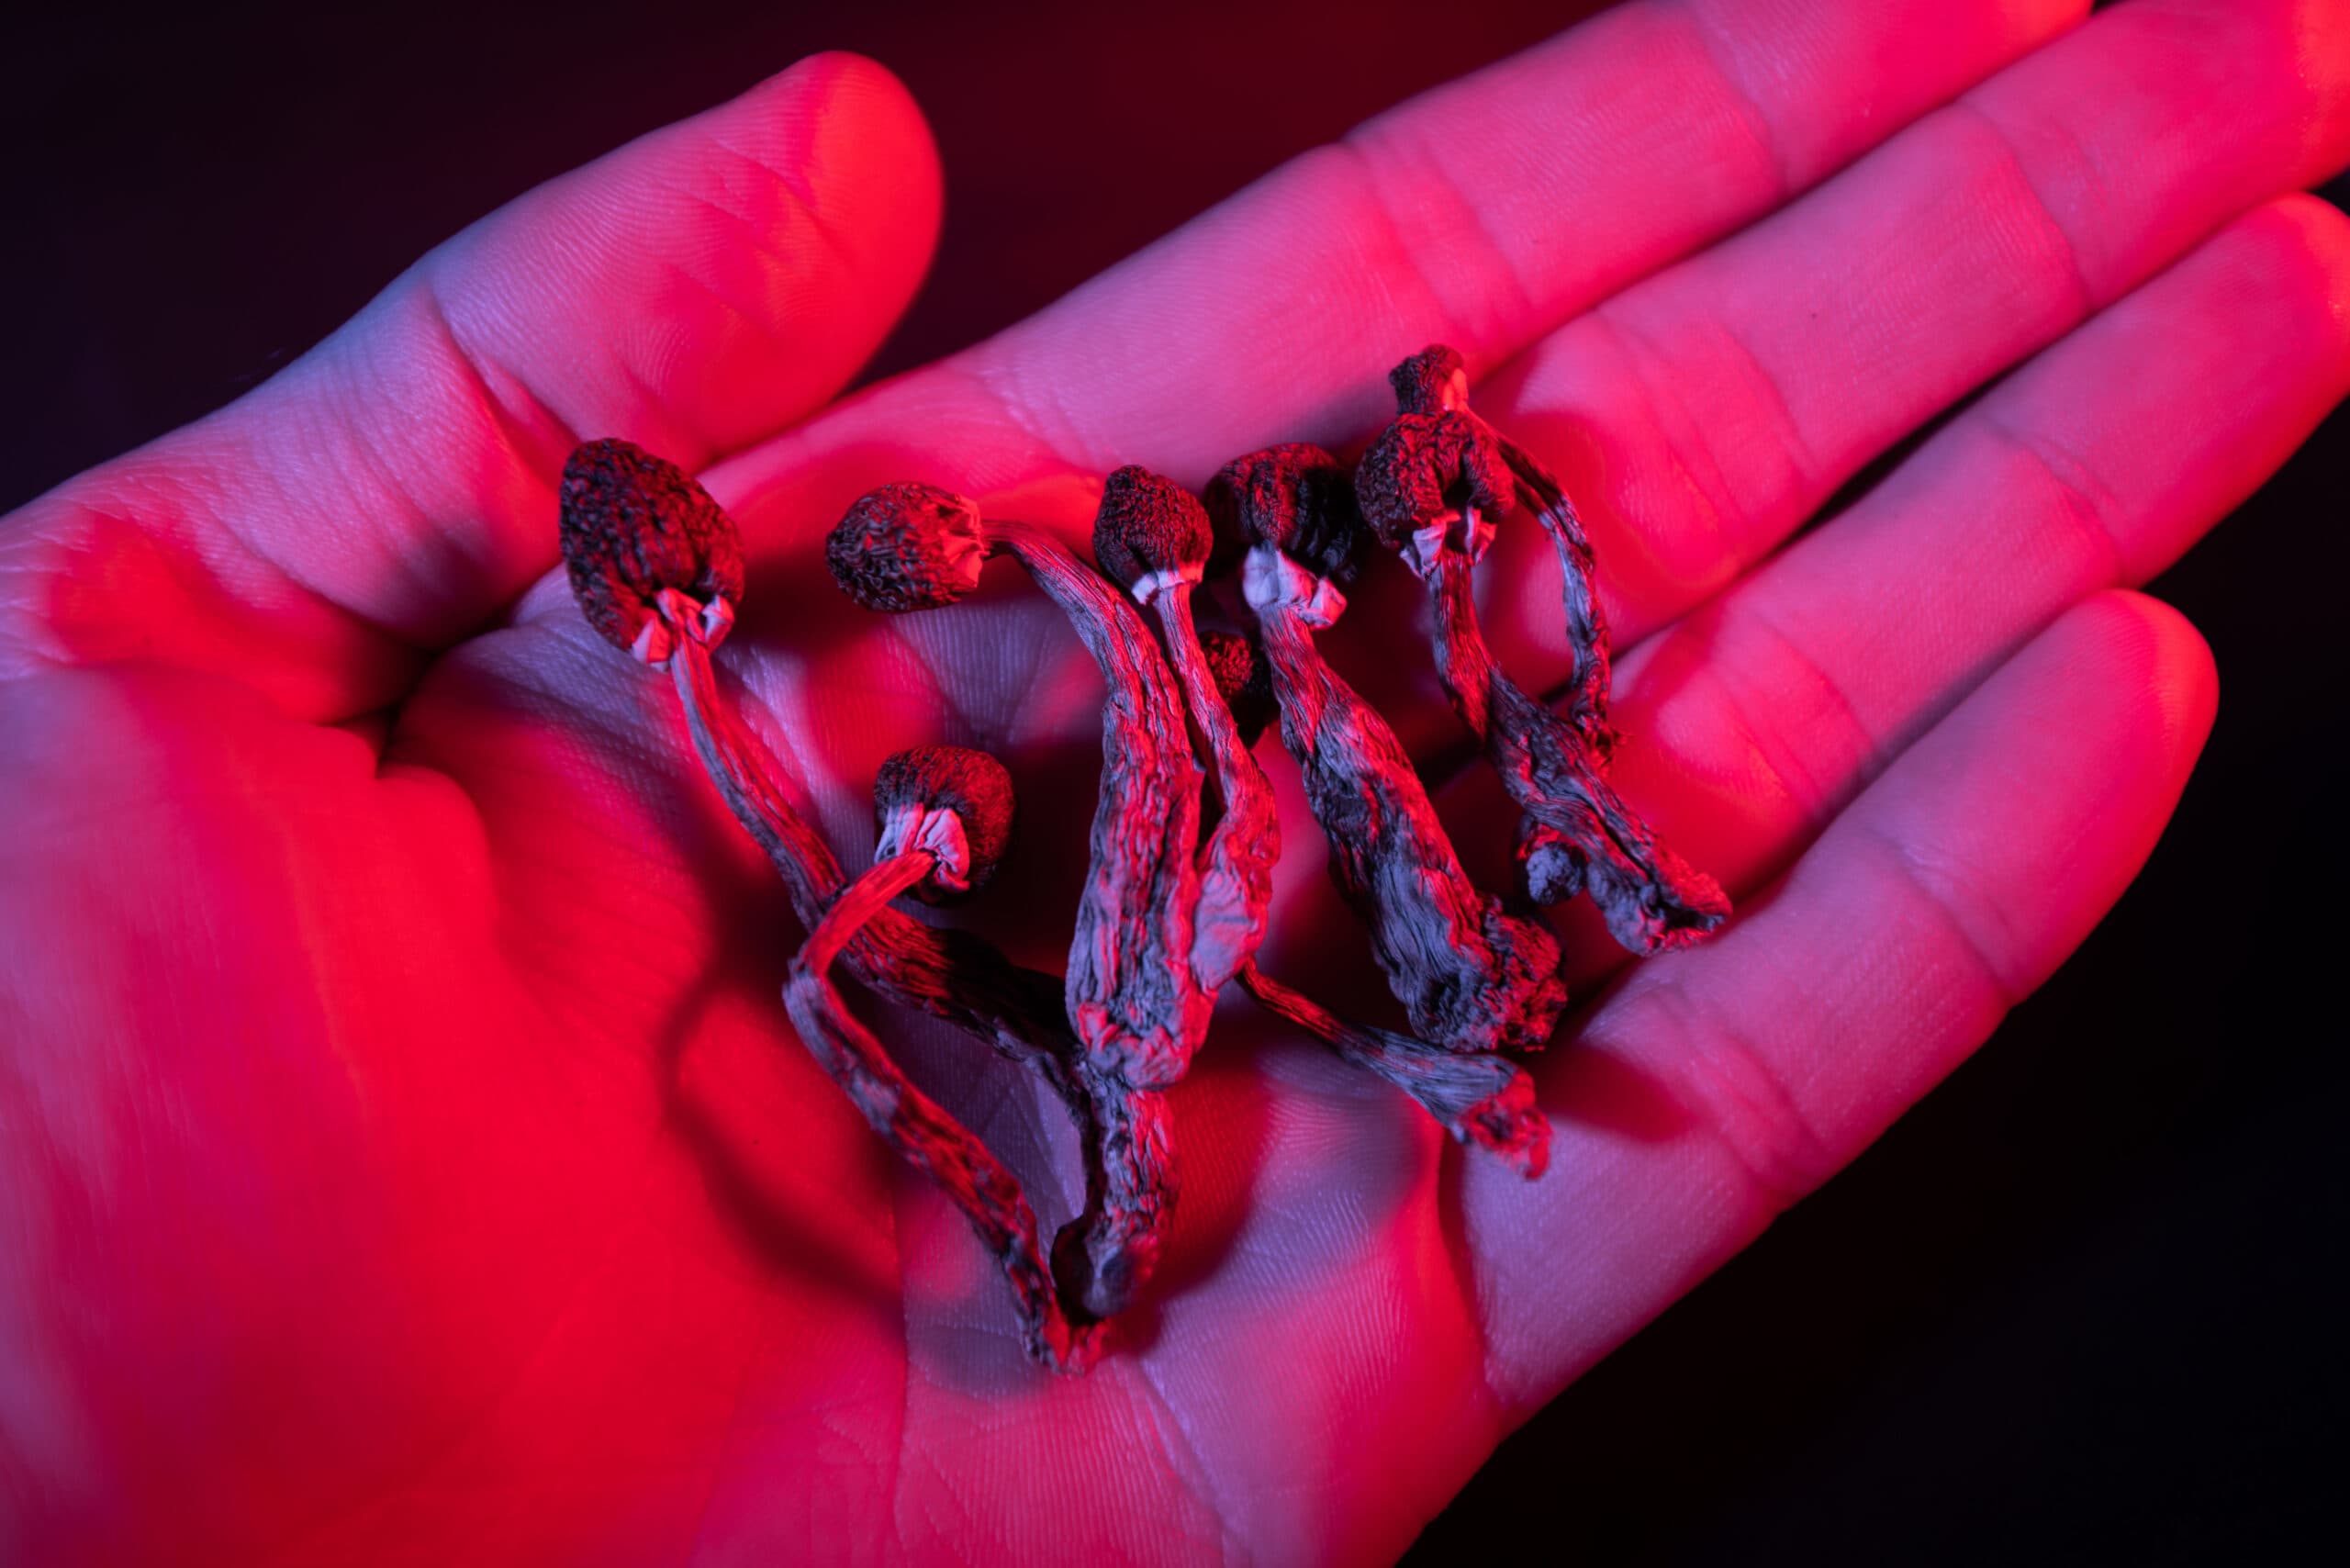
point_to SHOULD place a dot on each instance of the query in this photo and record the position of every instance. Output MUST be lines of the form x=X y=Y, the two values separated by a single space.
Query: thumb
x=697 y=290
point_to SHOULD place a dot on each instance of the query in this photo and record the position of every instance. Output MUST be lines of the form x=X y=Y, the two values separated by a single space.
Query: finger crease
x=1686 y=445
x=1832 y=730
x=1742 y=99
x=1743 y=1100
x=1382 y=162
x=2082 y=498
x=509 y=424
x=2086 y=297
x=1937 y=893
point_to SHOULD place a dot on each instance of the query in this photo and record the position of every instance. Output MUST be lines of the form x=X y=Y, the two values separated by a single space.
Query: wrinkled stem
x=858 y=904
x=1486 y=1100
x=1471 y=977
x=1237 y=863
x=1134 y=1003
x=1583 y=698
x=1103 y=1259
x=918 y=1128
x=1580 y=834
x=947 y=973
x=744 y=773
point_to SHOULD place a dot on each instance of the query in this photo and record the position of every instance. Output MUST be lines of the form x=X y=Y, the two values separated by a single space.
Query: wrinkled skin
x=406 y=1157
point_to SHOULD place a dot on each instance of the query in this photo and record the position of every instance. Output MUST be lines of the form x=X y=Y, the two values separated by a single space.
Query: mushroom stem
x=1131 y=991
x=1580 y=836
x=921 y=1130
x=1428 y=485
x=1486 y=1100
x=944 y=971
x=1131 y=1003
x=1152 y=536
x=1470 y=977
x=1584 y=703
x=1237 y=870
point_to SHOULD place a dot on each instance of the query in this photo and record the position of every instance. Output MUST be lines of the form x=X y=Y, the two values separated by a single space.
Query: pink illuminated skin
x=403 y=1152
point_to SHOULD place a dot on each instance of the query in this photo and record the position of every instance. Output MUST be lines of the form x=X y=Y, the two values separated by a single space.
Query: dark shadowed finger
x=693 y=290
x=1722 y=1083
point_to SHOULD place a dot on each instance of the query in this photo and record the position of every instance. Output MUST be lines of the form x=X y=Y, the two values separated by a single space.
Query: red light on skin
x=403 y=1160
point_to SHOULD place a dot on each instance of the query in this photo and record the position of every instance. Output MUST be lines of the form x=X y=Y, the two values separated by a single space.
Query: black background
x=2085 y=1304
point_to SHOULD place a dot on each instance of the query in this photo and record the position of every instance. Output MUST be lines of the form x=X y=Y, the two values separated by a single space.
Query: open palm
x=406 y=1157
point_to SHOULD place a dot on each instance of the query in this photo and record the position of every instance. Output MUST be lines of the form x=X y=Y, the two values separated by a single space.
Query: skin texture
x=406 y=1157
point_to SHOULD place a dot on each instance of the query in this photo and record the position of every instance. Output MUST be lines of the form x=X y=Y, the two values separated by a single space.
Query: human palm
x=408 y=1157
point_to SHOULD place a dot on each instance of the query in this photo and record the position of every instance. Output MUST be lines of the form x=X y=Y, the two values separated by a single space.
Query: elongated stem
x=930 y=1139
x=948 y=973
x=744 y=772
x=858 y=902
x=1470 y=977
x=1237 y=863
x=1583 y=835
x=1486 y=1100
x=1136 y=1005
x=1129 y=989
x=1103 y=1260
x=1583 y=696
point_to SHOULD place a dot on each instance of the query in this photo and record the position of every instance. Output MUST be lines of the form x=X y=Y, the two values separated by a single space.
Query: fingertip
x=743 y=263
x=2160 y=661
x=2028 y=809
x=859 y=139
x=2309 y=239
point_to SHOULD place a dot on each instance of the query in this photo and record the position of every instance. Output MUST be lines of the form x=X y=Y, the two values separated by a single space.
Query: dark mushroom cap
x=969 y=783
x=634 y=524
x=907 y=546
x=1296 y=498
x=1148 y=523
x=1427 y=463
x=1244 y=678
x=1420 y=381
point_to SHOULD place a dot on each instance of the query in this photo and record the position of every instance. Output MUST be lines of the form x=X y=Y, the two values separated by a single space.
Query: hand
x=406 y=1157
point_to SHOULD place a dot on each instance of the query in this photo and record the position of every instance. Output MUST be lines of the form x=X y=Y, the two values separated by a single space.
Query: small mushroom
x=945 y=814
x=1430 y=486
x=1471 y=977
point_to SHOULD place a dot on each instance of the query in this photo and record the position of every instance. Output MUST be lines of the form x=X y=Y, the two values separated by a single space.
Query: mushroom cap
x=907 y=546
x=1244 y=678
x=971 y=784
x=1420 y=381
x=1424 y=465
x=1148 y=523
x=634 y=524
x=1295 y=498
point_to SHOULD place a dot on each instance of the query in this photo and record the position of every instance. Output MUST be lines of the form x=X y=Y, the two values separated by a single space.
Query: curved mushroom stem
x=1103 y=1259
x=1128 y=987
x=1470 y=976
x=1426 y=484
x=917 y=1127
x=1579 y=835
x=1237 y=863
x=655 y=565
x=1132 y=1002
x=1131 y=998
x=1584 y=701
x=1484 y=1100
x=944 y=972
